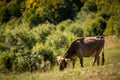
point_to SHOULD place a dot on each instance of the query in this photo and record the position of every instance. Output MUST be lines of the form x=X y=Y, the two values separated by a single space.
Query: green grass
x=107 y=72
x=110 y=71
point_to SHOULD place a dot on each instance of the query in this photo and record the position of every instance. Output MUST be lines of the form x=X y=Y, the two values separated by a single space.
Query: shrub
x=98 y=27
x=57 y=39
x=58 y=44
x=64 y=24
x=109 y=28
x=42 y=31
x=89 y=6
x=20 y=42
x=113 y=24
x=45 y=56
x=75 y=28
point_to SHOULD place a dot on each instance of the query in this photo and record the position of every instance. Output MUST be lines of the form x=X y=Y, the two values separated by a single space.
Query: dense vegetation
x=34 y=32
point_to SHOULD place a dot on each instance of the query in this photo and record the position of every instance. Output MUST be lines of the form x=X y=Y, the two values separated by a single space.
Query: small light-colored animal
x=83 y=47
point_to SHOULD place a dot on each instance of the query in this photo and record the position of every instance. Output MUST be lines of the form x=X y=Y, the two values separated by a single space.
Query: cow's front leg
x=81 y=61
x=73 y=64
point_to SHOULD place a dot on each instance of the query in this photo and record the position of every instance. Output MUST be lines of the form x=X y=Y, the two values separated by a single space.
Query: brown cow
x=83 y=47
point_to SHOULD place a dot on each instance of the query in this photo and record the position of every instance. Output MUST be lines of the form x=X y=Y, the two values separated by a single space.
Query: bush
x=89 y=6
x=113 y=24
x=109 y=29
x=57 y=41
x=31 y=17
x=19 y=42
x=84 y=17
x=58 y=44
x=12 y=9
x=76 y=29
x=42 y=31
x=70 y=26
x=5 y=59
x=98 y=27
x=64 y=24
x=45 y=56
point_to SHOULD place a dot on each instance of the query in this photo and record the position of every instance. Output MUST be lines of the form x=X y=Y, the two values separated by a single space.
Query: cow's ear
x=67 y=59
x=59 y=58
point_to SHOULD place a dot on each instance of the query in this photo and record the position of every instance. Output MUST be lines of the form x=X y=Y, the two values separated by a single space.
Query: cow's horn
x=67 y=59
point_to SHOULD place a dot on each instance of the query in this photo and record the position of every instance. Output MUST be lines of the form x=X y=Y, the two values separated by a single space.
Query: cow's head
x=62 y=63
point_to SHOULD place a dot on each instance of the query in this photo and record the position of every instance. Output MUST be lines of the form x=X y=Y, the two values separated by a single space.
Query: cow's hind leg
x=103 y=59
x=98 y=60
x=94 y=60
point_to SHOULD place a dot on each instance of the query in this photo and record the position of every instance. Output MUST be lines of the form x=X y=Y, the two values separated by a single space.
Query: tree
x=11 y=9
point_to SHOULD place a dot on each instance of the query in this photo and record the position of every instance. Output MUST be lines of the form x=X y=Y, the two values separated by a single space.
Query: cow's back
x=89 y=46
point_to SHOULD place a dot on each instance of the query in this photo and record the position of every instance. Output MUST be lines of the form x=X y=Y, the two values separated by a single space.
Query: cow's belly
x=88 y=54
x=74 y=57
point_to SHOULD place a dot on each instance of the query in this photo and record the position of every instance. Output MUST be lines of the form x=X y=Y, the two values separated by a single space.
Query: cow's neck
x=69 y=53
x=66 y=55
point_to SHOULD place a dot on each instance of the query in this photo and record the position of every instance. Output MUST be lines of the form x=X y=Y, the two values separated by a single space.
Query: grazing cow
x=83 y=47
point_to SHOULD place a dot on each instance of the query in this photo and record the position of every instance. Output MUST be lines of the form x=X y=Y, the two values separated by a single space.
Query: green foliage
x=114 y=20
x=75 y=29
x=98 y=27
x=5 y=15
x=62 y=26
x=21 y=42
x=31 y=17
x=5 y=60
x=12 y=9
x=91 y=24
x=43 y=56
x=104 y=15
x=52 y=11
x=113 y=26
x=89 y=6
x=59 y=41
x=42 y=31
x=109 y=29
x=68 y=7
x=69 y=26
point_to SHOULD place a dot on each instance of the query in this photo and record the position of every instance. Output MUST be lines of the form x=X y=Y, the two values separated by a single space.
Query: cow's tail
x=103 y=59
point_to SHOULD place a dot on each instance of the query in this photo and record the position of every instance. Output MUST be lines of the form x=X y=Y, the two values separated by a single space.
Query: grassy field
x=110 y=71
